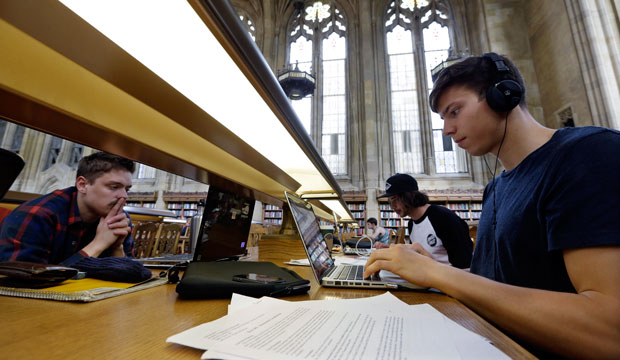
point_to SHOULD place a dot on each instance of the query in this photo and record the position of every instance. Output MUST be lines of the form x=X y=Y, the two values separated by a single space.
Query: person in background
x=546 y=267
x=434 y=230
x=379 y=234
x=83 y=221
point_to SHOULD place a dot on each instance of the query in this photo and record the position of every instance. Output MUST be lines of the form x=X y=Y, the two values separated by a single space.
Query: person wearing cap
x=546 y=267
x=434 y=230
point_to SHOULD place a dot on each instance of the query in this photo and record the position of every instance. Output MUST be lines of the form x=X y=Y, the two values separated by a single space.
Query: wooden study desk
x=136 y=325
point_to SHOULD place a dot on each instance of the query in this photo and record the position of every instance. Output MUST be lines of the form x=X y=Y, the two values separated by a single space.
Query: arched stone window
x=317 y=43
x=248 y=24
x=53 y=152
x=418 y=38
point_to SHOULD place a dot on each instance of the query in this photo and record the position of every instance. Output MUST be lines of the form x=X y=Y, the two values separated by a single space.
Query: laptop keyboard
x=350 y=272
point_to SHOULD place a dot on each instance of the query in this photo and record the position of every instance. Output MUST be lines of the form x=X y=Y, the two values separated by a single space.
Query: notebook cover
x=210 y=280
x=85 y=290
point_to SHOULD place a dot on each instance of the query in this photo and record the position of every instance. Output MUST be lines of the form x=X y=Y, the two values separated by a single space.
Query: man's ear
x=80 y=184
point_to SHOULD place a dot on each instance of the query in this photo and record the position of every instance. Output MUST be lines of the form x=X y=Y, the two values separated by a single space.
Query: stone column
x=594 y=24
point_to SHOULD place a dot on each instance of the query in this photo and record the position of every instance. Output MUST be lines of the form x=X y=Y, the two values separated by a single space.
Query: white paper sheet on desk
x=298 y=262
x=422 y=323
x=238 y=301
x=349 y=260
x=385 y=300
x=278 y=329
x=361 y=260
x=469 y=344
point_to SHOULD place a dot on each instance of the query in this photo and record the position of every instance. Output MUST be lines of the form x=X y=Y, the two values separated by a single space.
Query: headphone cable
x=495 y=171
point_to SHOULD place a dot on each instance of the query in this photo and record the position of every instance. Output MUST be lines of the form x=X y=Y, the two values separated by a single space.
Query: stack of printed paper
x=380 y=327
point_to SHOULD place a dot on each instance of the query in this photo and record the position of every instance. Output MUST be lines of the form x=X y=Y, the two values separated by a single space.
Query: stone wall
x=554 y=55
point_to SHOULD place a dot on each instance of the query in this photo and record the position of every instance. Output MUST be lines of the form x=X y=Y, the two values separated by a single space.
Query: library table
x=136 y=325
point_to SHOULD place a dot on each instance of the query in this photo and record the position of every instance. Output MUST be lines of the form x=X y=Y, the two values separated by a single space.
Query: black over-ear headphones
x=504 y=94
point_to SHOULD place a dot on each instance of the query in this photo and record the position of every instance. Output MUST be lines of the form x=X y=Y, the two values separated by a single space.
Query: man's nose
x=123 y=193
x=448 y=128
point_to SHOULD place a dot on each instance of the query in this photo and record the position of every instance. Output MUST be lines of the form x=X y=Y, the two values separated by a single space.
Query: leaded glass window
x=145 y=172
x=53 y=152
x=18 y=137
x=2 y=130
x=248 y=24
x=77 y=150
x=418 y=37
x=317 y=44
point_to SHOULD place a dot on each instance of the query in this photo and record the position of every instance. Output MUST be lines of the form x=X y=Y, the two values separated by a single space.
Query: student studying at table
x=546 y=267
x=434 y=230
x=85 y=221
x=379 y=234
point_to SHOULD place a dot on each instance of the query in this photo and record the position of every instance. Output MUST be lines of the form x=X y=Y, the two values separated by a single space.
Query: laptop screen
x=310 y=232
x=225 y=224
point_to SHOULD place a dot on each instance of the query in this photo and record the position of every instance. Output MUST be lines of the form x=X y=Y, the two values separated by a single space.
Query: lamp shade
x=296 y=84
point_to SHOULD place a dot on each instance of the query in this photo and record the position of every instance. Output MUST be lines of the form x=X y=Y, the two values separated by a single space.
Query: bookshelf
x=185 y=205
x=467 y=204
x=358 y=210
x=272 y=214
x=183 y=209
x=356 y=202
x=142 y=199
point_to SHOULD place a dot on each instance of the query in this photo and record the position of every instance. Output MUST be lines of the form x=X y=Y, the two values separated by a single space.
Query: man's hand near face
x=111 y=232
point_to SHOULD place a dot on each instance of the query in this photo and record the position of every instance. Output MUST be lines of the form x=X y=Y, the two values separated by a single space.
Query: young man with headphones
x=546 y=267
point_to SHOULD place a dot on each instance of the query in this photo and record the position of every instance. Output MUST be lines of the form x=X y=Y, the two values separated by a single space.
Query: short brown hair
x=94 y=165
x=476 y=73
x=413 y=199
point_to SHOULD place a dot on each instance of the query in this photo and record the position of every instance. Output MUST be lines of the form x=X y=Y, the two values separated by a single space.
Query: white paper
x=379 y=327
x=298 y=262
x=470 y=345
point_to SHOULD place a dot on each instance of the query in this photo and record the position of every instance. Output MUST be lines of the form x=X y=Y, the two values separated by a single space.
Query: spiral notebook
x=84 y=290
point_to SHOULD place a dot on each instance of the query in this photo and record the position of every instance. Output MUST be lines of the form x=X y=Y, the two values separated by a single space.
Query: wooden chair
x=144 y=236
x=329 y=240
x=167 y=239
x=347 y=235
x=183 y=245
x=338 y=236
x=473 y=230
x=399 y=238
x=256 y=233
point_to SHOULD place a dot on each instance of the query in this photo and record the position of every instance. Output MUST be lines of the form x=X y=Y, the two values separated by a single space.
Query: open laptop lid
x=225 y=224
x=310 y=232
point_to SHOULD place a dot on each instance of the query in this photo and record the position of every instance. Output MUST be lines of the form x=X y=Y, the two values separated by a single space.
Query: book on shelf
x=189 y=212
x=275 y=221
x=84 y=290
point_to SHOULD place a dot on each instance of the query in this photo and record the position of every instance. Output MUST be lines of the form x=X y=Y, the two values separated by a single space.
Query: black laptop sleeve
x=211 y=280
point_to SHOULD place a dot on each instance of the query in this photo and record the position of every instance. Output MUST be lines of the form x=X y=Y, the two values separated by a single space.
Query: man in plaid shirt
x=83 y=221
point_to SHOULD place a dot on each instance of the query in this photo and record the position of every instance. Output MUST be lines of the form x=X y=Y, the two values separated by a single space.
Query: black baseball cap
x=399 y=183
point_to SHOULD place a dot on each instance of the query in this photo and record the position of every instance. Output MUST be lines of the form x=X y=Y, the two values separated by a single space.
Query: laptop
x=223 y=231
x=326 y=272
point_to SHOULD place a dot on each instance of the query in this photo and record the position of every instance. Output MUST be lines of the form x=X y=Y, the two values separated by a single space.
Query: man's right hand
x=111 y=232
x=380 y=245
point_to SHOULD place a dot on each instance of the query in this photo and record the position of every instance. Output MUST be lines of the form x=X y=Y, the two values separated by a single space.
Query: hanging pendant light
x=297 y=84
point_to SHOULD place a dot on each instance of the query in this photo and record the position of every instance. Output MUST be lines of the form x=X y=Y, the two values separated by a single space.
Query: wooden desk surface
x=136 y=325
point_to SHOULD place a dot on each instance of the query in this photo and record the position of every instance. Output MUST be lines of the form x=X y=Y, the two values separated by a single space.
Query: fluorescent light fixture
x=171 y=40
x=336 y=206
